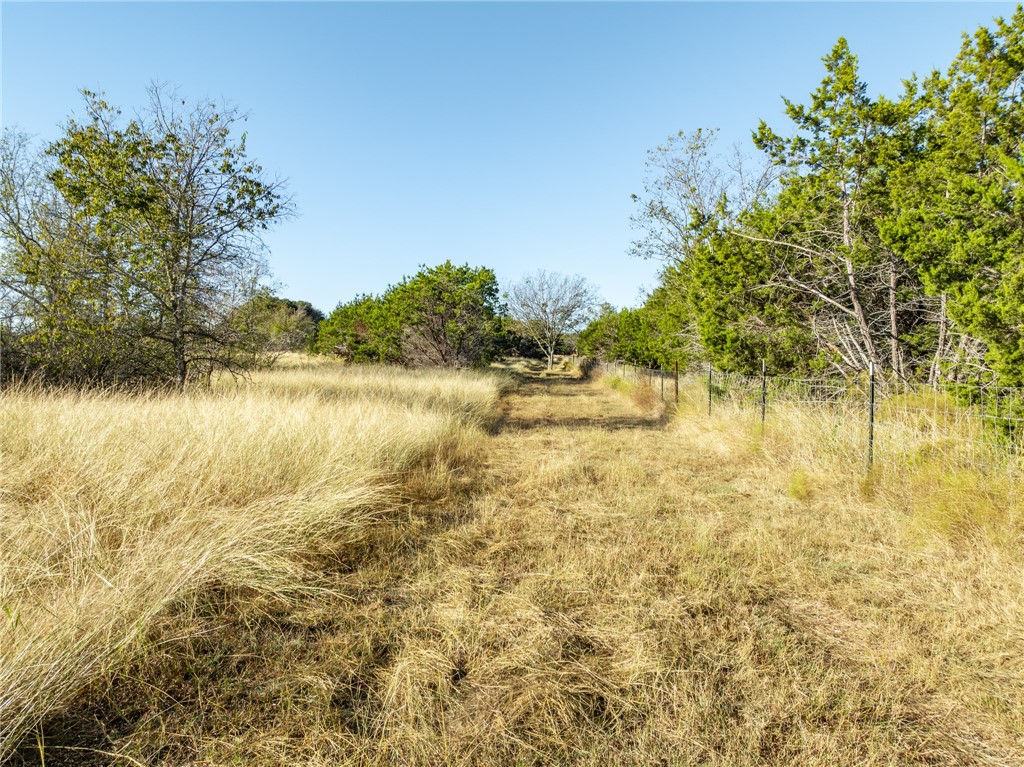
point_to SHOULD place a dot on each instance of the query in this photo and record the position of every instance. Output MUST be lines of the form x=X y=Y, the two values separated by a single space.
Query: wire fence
x=879 y=422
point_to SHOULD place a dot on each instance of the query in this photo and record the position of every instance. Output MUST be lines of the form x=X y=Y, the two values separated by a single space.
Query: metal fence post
x=764 y=392
x=871 y=415
x=981 y=408
x=709 y=388
x=661 y=375
x=677 y=382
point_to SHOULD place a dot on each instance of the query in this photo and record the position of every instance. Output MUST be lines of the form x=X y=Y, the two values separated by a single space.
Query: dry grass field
x=302 y=572
x=125 y=520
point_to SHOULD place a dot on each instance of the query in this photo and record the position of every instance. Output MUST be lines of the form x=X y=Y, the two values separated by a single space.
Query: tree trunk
x=178 y=344
x=851 y=282
x=894 y=337
x=940 y=347
x=180 y=364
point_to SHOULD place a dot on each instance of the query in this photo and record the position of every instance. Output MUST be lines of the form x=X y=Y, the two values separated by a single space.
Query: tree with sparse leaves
x=549 y=306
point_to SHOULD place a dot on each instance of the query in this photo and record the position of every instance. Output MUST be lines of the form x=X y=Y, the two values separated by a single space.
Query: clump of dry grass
x=473 y=394
x=936 y=460
x=115 y=509
x=641 y=392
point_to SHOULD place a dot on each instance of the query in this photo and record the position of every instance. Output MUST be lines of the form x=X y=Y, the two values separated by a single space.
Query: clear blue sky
x=502 y=134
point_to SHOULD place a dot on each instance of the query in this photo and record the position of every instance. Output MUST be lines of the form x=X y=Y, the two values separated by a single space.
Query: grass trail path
x=606 y=587
x=622 y=593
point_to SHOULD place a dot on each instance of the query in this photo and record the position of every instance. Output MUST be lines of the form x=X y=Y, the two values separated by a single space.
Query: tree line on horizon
x=457 y=316
x=132 y=254
x=870 y=232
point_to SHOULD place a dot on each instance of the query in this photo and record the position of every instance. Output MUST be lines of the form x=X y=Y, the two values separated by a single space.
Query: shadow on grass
x=565 y=387
x=608 y=424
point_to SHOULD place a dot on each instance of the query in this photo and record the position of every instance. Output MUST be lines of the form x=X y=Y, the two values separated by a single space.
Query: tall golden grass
x=115 y=508
x=604 y=586
x=897 y=593
x=947 y=465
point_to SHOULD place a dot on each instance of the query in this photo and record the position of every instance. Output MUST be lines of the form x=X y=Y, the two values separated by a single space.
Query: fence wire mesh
x=961 y=424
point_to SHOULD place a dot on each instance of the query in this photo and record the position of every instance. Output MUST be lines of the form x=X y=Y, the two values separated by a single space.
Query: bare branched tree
x=548 y=306
x=691 y=191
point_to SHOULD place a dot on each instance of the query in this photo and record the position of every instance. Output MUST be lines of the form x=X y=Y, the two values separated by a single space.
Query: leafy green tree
x=66 y=316
x=961 y=219
x=174 y=208
x=512 y=343
x=739 y=318
x=444 y=316
x=888 y=232
x=599 y=337
x=449 y=316
x=638 y=338
x=279 y=324
x=650 y=335
x=716 y=300
x=361 y=330
x=821 y=230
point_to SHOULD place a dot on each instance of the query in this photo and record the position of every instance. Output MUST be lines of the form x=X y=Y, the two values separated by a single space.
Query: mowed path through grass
x=620 y=592
x=609 y=587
